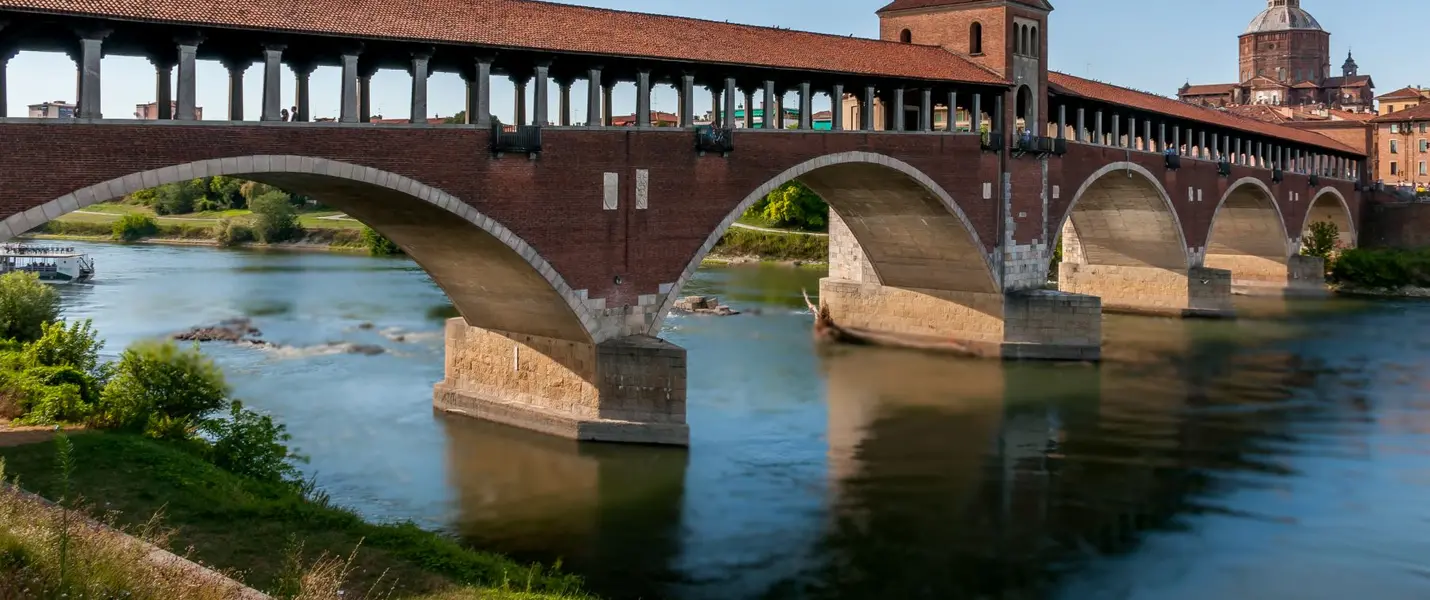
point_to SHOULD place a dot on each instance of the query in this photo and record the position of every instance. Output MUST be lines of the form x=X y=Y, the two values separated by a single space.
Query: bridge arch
x=1248 y=233
x=900 y=217
x=495 y=279
x=1122 y=216
x=1330 y=205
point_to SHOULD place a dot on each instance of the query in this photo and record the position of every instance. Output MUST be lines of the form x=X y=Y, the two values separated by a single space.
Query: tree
x=162 y=390
x=133 y=227
x=378 y=244
x=1322 y=241
x=25 y=306
x=274 y=217
x=794 y=205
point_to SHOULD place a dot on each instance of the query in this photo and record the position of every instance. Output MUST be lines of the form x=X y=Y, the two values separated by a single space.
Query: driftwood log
x=827 y=331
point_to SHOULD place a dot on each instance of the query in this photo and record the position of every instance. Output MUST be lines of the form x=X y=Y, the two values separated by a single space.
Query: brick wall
x=1404 y=226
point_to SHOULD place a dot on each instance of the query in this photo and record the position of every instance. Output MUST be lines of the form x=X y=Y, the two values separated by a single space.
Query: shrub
x=25 y=306
x=1382 y=268
x=75 y=346
x=133 y=227
x=794 y=205
x=253 y=445
x=377 y=244
x=50 y=395
x=778 y=246
x=274 y=218
x=162 y=390
x=229 y=232
x=1322 y=241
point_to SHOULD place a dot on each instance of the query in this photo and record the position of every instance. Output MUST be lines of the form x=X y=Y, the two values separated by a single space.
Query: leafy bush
x=274 y=217
x=162 y=390
x=792 y=205
x=1322 y=241
x=75 y=346
x=377 y=244
x=1382 y=268
x=253 y=445
x=25 y=306
x=232 y=233
x=50 y=395
x=133 y=227
x=778 y=246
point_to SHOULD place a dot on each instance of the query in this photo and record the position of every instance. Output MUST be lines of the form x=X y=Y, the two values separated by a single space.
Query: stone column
x=896 y=111
x=366 y=69
x=749 y=108
x=836 y=108
x=866 y=114
x=479 y=92
x=5 y=55
x=1062 y=121
x=163 y=91
x=687 y=97
x=564 y=100
x=236 y=67
x=541 y=97
x=593 y=97
x=188 y=78
x=302 y=72
x=1147 y=143
x=348 y=85
x=272 y=82
x=1161 y=137
x=975 y=119
x=418 y=71
x=1201 y=144
x=1177 y=140
x=714 y=105
x=770 y=120
x=1080 y=130
x=643 y=98
x=1097 y=129
x=519 y=85
x=607 y=103
x=806 y=106
x=730 y=95
x=1116 y=130
x=90 y=53
x=1132 y=133
x=926 y=110
x=951 y=123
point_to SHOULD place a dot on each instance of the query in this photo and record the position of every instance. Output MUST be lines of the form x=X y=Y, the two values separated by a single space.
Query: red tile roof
x=546 y=26
x=1405 y=92
x=915 y=4
x=1260 y=112
x=1419 y=112
x=1210 y=89
x=1063 y=83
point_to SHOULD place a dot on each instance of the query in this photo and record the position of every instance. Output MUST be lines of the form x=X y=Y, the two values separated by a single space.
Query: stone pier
x=1262 y=276
x=1194 y=292
x=629 y=389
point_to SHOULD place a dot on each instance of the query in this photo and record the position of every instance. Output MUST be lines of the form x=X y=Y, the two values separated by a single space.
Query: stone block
x=1200 y=291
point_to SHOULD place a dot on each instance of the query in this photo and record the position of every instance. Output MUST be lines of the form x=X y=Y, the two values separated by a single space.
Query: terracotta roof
x=915 y=4
x=1210 y=89
x=1405 y=92
x=822 y=115
x=1345 y=82
x=1260 y=112
x=1063 y=83
x=1420 y=112
x=546 y=26
x=1346 y=115
x=1307 y=85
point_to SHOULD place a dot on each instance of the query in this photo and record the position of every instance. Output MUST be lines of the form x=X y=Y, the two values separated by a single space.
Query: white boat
x=53 y=264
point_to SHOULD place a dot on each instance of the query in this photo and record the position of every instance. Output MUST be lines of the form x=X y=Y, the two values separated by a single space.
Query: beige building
x=1402 y=99
x=1403 y=147
x=58 y=109
x=940 y=116
x=150 y=111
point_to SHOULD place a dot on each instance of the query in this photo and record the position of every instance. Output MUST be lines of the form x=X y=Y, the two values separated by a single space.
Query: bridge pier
x=629 y=389
x=1193 y=292
x=1261 y=276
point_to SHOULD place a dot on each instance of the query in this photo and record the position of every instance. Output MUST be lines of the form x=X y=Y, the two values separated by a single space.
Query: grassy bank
x=200 y=232
x=1381 y=269
x=265 y=535
x=764 y=245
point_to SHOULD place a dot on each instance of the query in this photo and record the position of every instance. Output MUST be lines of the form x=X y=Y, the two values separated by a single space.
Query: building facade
x=1403 y=99
x=150 y=111
x=1403 y=153
x=1285 y=60
x=52 y=110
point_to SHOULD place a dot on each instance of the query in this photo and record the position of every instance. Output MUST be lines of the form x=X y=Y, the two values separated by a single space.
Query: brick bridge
x=564 y=246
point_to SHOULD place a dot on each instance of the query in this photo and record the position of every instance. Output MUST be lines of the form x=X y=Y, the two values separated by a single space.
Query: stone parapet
x=1194 y=292
x=1024 y=325
x=629 y=389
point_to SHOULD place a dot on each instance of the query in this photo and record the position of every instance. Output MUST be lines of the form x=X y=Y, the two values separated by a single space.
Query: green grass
x=114 y=210
x=243 y=526
x=759 y=221
x=772 y=246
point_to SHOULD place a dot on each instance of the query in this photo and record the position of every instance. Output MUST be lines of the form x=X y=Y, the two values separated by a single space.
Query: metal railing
x=525 y=139
x=714 y=139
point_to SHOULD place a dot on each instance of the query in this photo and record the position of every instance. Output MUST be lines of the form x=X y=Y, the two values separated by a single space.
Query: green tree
x=225 y=192
x=253 y=445
x=275 y=220
x=162 y=390
x=25 y=306
x=77 y=346
x=1322 y=241
x=133 y=227
x=794 y=205
x=378 y=244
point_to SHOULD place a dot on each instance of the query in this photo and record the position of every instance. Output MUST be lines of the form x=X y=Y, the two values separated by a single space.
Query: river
x=1285 y=455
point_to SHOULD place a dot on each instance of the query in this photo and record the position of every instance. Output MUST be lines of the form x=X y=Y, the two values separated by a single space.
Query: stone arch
x=1248 y=233
x=1122 y=216
x=1322 y=208
x=859 y=185
x=975 y=38
x=906 y=36
x=495 y=279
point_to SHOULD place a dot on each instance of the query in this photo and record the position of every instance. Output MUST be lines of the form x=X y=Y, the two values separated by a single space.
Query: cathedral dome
x=1282 y=15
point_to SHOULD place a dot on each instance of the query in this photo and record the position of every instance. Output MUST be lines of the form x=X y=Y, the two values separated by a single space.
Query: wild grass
x=291 y=543
x=739 y=242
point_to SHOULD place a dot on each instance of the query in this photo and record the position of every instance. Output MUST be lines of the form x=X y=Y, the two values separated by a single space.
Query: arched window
x=906 y=36
x=1036 y=41
x=1023 y=39
x=1024 y=104
x=975 y=38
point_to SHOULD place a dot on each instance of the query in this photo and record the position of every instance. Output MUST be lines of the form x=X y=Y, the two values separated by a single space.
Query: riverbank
x=263 y=534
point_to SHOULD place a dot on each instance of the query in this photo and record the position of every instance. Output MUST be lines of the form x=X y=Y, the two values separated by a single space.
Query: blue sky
x=1152 y=45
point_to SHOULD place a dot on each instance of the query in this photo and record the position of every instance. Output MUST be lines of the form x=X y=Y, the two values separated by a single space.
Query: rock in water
x=704 y=305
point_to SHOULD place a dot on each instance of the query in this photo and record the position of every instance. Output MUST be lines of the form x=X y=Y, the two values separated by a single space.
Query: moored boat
x=53 y=264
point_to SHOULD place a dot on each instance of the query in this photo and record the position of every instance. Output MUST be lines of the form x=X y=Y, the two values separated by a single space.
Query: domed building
x=1285 y=60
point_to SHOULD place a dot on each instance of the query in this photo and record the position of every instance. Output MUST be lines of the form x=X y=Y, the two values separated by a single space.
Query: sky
x=1150 y=45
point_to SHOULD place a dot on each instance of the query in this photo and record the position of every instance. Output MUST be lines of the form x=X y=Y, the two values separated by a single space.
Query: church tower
x=1350 y=68
x=1285 y=44
x=1008 y=37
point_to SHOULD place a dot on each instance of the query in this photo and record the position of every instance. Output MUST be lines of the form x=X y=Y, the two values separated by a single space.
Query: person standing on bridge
x=293 y=113
x=283 y=115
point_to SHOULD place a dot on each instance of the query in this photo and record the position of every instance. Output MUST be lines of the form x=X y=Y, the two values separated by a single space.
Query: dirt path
x=773 y=230
x=19 y=435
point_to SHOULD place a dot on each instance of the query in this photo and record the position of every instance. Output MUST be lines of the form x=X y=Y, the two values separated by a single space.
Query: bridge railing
x=522 y=139
x=714 y=139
